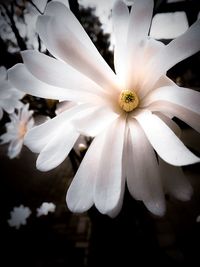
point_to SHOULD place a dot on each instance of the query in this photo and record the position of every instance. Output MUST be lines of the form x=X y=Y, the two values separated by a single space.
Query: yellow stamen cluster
x=128 y=100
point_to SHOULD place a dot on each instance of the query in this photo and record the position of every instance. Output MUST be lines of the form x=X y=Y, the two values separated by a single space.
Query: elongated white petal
x=165 y=142
x=14 y=148
x=79 y=196
x=95 y=121
x=57 y=73
x=175 y=182
x=57 y=149
x=120 y=19
x=143 y=177
x=170 y=123
x=39 y=136
x=23 y=80
x=67 y=18
x=61 y=41
x=177 y=50
x=139 y=24
x=181 y=102
x=109 y=182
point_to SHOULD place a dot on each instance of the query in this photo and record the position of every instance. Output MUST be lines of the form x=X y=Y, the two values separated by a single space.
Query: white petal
x=57 y=73
x=1 y=113
x=139 y=24
x=181 y=102
x=68 y=19
x=165 y=142
x=55 y=152
x=143 y=177
x=39 y=136
x=15 y=148
x=61 y=41
x=3 y=73
x=80 y=193
x=170 y=123
x=175 y=181
x=177 y=50
x=109 y=183
x=95 y=121
x=120 y=17
x=23 y=80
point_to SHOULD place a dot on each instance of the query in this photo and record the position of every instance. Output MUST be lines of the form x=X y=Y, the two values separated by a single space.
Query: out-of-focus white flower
x=20 y=123
x=198 y=219
x=18 y=216
x=128 y=111
x=45 y=208
x=9 y=96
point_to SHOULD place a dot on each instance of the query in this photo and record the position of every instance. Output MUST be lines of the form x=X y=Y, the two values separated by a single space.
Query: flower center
x=128 y=100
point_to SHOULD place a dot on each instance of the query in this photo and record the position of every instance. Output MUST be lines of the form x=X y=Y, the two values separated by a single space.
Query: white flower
x=19 y=216
x=45 y=208
x=20 y=123
x=9 y=96
x=128 y=112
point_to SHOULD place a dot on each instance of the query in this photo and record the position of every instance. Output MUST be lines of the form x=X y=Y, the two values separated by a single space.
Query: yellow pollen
x=128 y=100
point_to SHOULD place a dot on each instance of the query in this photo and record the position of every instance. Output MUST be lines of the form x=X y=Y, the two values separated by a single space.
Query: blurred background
x=61 y=238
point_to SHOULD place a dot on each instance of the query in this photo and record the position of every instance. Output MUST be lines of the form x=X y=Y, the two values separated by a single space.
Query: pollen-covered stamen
x=128 y=100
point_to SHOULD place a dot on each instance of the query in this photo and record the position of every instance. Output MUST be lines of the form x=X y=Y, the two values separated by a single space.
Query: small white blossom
x=9 y=96
x=18 y=216
x=128 y=111
x=45 y=208
x=20 y=123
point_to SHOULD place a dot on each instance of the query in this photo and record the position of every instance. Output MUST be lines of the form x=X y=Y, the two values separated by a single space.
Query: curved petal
x=23 y=80
x=120 y=18
x=177 y=50
x=181 y=102
x=67 y=18
x=175 y=181
x=79 y=196
x=61 y=41
x=59 y=74
x=39 y=136
x=55 y=152
x=170 y=123
x=94 y=122
x=165 y=142
x=14 y=148
x=139 y=24
x=109 y=182
x=143 y=177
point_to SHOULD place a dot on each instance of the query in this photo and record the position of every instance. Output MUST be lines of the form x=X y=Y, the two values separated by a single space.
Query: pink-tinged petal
x=165 y=142
x=143 y=177
x=61 y=41
x=181 y=102
x=175 y=181
x=39 y=136
x=95 y=121
x=109 y=181
x=55 y=152
x=139 y=24
x=59 y=74
x=80 y=193
x=120 y=19
x=67 y=18
x=177 y=50
x=23 y=80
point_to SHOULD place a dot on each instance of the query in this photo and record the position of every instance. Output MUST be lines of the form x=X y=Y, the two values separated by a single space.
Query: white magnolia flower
x=128 y=111
x=21 y=121
x=9 y=96
x=18 y=216
x=45 y=208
